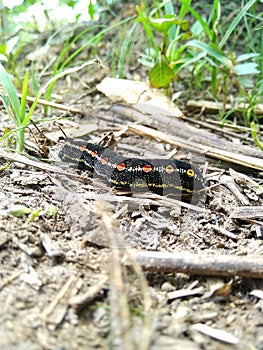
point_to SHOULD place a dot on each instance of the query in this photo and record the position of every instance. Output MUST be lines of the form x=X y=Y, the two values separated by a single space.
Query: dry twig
x=56 y=311
x=215 y=107
x=60 y=106
x=200 y=264
x=241 y=159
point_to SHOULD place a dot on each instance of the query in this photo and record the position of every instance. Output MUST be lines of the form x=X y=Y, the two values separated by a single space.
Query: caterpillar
x=160 y=176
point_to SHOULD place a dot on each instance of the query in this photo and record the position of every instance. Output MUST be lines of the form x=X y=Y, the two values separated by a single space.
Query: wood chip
x=56 y=311
x=54 y=252
x=246 y=182
x=229 y=182
x=247 y=212
x=215 y=333
x=223 y=231
x=257 y=293
x=182 y=293
x=129 y=91
x=31 y=277
x=80 y=301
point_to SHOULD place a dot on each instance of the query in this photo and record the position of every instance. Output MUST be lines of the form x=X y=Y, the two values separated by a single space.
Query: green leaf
x=162 y=25
x=185 y=36
x=3 y=48
x=34 y=214
x=19 y=210
x=188 y=61
x=91 y=10
x=161 y=74
x=51 y=210
x=247 y=56
x=211 y=50
x=246 y=68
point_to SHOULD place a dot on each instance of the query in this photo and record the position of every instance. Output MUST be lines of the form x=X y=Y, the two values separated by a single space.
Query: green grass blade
x=124 y=51
x=235 y=22
x=150 y=37
x=51 y=81
x=215 y=21
x=9 y=96
x=94 y=40
x=184 y=8
x=23 y=98
x=32 y=108
x=214 y=41
x=260 y=59
x=211 y=50
x=12 y=104
x=255 y=136
x=203 y=23
x=185 y=62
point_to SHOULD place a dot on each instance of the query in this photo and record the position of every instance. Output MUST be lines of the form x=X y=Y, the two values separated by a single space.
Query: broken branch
x=200 y=264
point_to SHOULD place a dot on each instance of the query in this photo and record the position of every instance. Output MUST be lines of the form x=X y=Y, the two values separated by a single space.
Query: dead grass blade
x=121 y=320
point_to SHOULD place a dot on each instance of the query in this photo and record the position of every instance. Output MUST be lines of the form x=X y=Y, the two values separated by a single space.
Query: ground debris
x=215 y=333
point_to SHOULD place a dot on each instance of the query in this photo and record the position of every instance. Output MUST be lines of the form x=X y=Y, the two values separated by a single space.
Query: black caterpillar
x=160 y=176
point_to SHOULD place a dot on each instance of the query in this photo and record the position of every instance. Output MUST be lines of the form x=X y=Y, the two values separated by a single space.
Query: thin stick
x=247 y=161
x=214 y=107
x=54 y=105
x=39 y=165
x=201 y=264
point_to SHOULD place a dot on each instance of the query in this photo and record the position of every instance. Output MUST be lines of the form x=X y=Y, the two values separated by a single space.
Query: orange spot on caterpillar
x=104 y=160
x=147 y=168
x=121 y=166
x=82 y=148
x=169 y=169
x=94 y=153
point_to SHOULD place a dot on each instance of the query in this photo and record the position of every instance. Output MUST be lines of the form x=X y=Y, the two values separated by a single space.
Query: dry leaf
x=132 y=92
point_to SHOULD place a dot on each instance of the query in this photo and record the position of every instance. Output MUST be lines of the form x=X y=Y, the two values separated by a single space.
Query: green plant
x=125 y=51
x=16 y=109
x=255 y=137
x=19 y=210
x=201 y=52
x=10 y=56
x=65 y=59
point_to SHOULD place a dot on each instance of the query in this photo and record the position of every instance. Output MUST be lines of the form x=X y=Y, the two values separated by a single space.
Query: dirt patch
x=72 y=249
x=65 y=280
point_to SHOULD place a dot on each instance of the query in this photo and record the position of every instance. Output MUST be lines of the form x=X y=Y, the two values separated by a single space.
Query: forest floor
x=71 y=277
